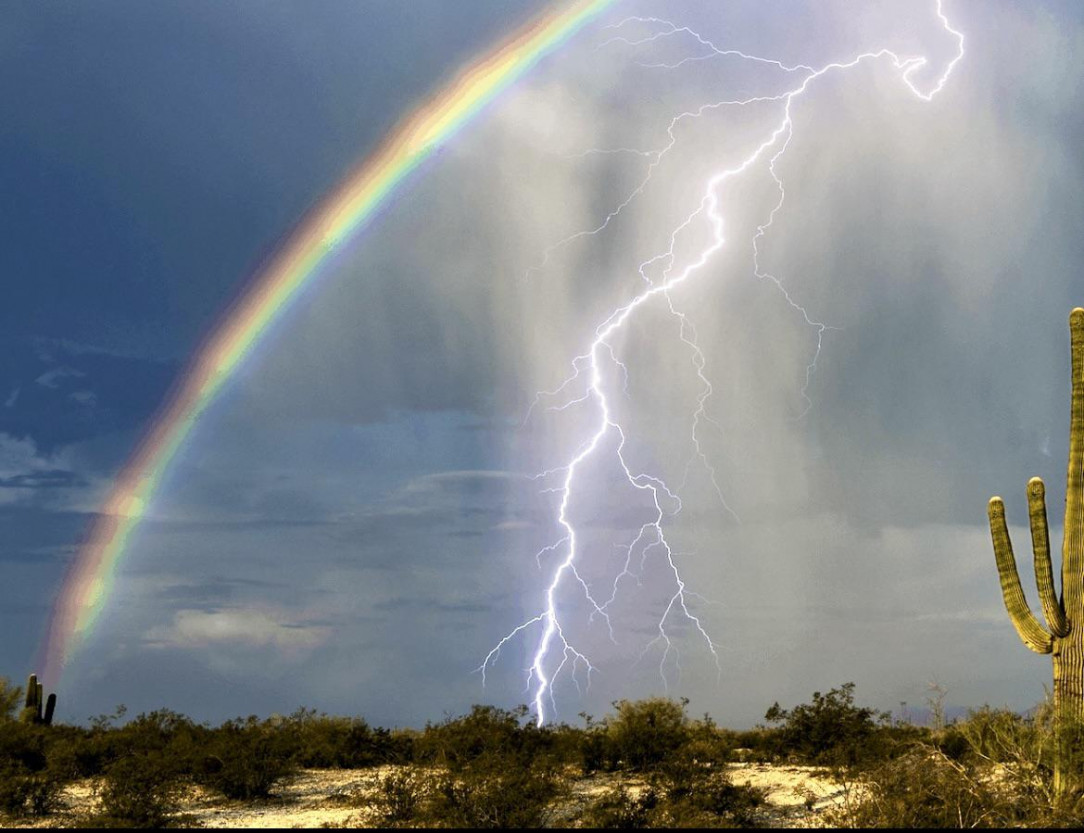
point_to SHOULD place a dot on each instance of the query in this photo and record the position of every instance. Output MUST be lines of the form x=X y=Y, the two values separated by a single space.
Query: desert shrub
x=594 y=751
x=831 y=730
x=679 y=795
x=246 y=759
x=697 y=792
x=925 y=788
x=83 y=753
x=1001 y=736
x=563 y=745
x=22 y=746
x=1027 y=746
x=921 y=789
x=643 y=733
x=487 y=733
x=952 y=743
x=344 y=742
x=28 y=793
x=41 y=792
x=86 y=752
x=713 y=750
x=399 y=797
x=619 y=808
x=162 y=731
x=11 y=698
x=762 y=744
x=717 y=802
x=139 y=790
x=487 y=797
x=490 y=768
x=992 y=769
x=30 y=781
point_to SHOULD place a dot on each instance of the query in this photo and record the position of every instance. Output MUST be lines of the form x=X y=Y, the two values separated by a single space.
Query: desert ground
x=797 y=797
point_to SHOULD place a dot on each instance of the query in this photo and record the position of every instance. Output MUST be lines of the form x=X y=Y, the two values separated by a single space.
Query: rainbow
x=343 y=213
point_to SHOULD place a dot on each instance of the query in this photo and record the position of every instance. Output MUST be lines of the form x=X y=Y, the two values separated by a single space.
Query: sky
x=358 y=519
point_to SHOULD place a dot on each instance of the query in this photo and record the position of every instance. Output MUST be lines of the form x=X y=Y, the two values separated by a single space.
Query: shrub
x=139 y=790
x=762 y=744
x=715 y=803
x=399 y=797
x=487 y=732
x=644 y=733
x=485 y=797
x=11 y=698
x=925 y=788
x=679 y=795
x=30 y=783
x=344 y=742
x=698 y=793
x=952 y=743
x=246 y=759
x=22 y=746
x=921 y=789
x=1000 y=735
x=831 y=730
x=594 y=750
x=26 y=793
x=618 y=808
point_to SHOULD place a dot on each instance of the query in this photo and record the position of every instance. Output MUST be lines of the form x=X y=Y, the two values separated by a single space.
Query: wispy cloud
x=51 y=378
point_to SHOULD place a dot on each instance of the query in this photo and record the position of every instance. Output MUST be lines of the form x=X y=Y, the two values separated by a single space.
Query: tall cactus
x=32 y=711
x=1063 y=636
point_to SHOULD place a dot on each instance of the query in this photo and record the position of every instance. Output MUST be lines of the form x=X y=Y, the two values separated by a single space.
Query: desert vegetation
x=645 y=764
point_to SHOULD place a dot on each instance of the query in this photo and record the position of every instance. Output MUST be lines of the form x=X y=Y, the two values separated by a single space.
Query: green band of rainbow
x=345 y=211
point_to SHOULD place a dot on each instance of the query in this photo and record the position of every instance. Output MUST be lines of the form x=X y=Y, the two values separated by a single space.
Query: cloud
x=87 y=398
x=51 y=378
x=48 y=479
x=23 y=470
x=289 y=637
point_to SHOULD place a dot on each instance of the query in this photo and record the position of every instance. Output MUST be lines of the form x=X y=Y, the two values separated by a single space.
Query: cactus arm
x=31 y=691
x=50 y=707
x=1044 y=573
x=1072 y=562
x=1027 y=626
x=32 y=708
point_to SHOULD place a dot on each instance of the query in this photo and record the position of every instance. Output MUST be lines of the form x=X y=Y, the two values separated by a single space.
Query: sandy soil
x=797 y=795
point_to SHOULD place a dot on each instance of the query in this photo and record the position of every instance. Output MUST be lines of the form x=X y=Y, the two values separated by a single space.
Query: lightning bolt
x=555 y=654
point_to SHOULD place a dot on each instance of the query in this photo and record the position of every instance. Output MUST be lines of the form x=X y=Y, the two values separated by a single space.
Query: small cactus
x=33 y=710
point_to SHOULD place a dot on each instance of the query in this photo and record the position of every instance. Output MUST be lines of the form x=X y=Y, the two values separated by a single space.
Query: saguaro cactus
x=1063 y=636
x=32 y=712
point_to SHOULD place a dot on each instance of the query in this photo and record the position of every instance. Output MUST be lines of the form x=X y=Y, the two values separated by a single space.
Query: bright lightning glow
x=554 y=653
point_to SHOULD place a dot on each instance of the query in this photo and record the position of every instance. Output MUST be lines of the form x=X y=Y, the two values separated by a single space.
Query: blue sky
x=354 y=524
